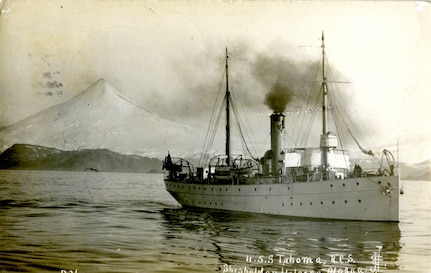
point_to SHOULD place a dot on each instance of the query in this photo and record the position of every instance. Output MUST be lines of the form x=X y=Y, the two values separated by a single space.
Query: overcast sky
x=168 y=56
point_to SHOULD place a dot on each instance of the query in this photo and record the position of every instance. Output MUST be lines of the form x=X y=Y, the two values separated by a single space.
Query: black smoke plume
x=278 y=97
x=282 y=80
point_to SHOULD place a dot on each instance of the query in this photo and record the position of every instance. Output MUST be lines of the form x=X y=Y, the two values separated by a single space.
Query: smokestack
x=277 y=126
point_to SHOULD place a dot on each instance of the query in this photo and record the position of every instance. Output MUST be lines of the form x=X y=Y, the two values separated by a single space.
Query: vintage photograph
x=215 y=136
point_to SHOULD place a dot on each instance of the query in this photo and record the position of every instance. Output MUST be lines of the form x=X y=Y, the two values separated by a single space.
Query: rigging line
x=338 y=118
x=338 y=128
x=212 y=136
x=241 y=125
x=312 y=119
x=362 y=137
x=370 y=152
x=216 y=125
x=245 y=125
x=298 y=122
x=308 y=119
x=349 y=121
x=313 y=94
x=240 y=130
x=302 y=119
x=344 y=125
x=240 y=120
x=335 y=102
x=265 y=141
x=211 y=124
x=289 y=138
x=314 y=101
x=208 y=141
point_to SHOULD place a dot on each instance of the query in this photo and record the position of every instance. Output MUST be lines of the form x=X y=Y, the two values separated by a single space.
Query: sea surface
x=126 y=222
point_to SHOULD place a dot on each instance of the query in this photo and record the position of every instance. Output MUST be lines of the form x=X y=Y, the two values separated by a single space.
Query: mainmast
x=227 y=97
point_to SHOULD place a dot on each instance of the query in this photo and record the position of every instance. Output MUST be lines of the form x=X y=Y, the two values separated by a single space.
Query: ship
x=311 y=182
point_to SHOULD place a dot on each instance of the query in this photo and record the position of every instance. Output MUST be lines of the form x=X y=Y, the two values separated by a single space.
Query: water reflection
x=236 y=240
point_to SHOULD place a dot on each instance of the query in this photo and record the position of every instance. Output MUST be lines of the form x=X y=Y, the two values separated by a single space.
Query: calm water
x=116 y=222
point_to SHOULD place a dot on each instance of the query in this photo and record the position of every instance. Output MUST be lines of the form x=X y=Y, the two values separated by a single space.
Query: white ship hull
x=365 y=198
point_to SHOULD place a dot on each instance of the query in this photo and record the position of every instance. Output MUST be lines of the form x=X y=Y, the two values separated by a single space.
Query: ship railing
x=316 y=176
x=369 y=172
x=311 y=177
x=178 y=169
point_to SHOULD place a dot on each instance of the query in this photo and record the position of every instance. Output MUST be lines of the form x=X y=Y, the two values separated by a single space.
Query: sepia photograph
x=215 y=136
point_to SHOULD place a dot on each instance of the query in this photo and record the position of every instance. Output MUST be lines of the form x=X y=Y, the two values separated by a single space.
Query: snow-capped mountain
x=101 y=117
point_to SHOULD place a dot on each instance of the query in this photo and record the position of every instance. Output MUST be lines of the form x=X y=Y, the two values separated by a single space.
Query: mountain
x=100 y=117
x=31 y=157
x=418 y=171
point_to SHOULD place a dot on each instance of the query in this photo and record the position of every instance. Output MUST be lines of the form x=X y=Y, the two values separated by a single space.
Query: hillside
x=32 y=157
x=101 y=117
x=419 y=171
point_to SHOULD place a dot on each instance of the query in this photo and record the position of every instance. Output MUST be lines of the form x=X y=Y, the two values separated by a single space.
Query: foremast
x=325 y=137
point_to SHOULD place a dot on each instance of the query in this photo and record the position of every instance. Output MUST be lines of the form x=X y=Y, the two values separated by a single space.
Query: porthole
x=380 y=182
x=344 y=185
x=291 y=204
x=359 y=201
x=282 y=204
x=357 y=183
x=255 y=189
x=333 y=202
x=239 y=189
x=220 y=189
x=311 y=203
x=269 y=188
x=321 y=203
x=331 y=185
x=300 y=203
x=345 y=201
x=226 y=189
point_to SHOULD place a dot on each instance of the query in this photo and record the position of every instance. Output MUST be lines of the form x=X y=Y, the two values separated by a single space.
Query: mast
x=324 y=89
x=227 y=97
